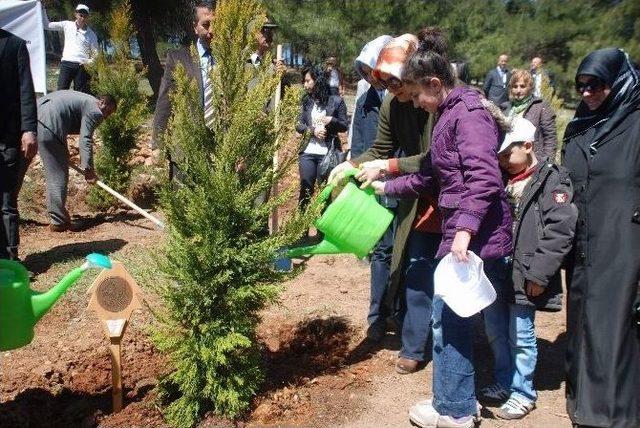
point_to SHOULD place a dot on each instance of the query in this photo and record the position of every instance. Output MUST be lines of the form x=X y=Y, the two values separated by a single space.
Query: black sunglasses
x=592 y=85
x=391 y=83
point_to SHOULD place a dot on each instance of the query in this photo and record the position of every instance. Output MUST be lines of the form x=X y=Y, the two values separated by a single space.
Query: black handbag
x=331 y=159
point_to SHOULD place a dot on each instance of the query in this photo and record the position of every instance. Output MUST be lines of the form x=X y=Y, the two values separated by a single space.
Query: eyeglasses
x=392 y=83
x=593 y=85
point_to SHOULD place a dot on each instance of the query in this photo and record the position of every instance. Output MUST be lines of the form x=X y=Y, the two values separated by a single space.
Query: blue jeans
x=496 y=322
x=453 y=373
x=308 y=168
x=419 y=265
x=522 y=337
x=380 y=267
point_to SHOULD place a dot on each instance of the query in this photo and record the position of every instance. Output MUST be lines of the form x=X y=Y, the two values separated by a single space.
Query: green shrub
x=217 y=266
x=119 y=133
x=562 y=117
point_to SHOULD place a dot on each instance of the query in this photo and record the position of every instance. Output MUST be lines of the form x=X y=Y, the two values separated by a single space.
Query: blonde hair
x=517 y=74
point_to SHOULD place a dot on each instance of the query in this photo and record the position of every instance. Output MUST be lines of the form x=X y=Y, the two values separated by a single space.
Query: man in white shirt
x=80 y=48
x=264 y=41
x=538 y=72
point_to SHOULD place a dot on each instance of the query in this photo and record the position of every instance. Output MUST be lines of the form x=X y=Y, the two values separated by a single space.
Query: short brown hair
x=519 y=73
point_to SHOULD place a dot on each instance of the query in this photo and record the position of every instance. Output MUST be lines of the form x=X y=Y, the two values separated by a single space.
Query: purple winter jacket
x=462 y=165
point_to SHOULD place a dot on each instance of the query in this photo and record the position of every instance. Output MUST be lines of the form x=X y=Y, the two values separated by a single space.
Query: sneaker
x=494 y=392
x=424 y=415
x=515 y=408
x=406 y=365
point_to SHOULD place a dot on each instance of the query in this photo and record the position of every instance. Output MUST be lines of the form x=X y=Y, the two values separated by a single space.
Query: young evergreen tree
x=117 y=75
x=550 y=95
x=218 y=260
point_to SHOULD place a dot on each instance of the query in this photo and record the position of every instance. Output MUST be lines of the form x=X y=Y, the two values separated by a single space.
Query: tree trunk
x=147 y=43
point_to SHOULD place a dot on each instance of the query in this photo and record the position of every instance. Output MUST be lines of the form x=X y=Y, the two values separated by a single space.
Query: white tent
x=25 y=19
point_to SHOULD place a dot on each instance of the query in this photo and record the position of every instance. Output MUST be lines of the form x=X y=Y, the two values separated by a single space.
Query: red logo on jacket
x=560 y=197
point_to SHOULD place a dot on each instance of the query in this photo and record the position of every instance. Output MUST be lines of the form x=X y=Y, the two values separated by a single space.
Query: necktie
x=208 y=93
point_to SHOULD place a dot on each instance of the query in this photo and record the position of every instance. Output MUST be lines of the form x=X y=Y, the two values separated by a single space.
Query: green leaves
x=119 y=133
x=219 y=255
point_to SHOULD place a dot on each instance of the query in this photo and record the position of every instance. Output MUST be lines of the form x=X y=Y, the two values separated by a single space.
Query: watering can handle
x=326 y=192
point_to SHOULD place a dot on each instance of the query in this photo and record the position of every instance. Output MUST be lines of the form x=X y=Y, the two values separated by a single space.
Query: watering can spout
x=42 y=302
x=323 y=247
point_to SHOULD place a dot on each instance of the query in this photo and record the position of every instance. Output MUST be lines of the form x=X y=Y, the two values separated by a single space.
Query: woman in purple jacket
x=462 y=170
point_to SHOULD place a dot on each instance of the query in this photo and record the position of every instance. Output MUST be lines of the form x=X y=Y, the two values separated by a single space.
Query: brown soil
x=321 y=371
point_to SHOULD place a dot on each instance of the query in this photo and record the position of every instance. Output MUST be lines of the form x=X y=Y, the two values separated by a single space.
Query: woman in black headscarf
x=602 y=152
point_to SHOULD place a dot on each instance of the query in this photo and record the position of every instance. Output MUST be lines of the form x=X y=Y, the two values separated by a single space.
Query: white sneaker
x=494 y=392
x=515 y=408
x=425 y=416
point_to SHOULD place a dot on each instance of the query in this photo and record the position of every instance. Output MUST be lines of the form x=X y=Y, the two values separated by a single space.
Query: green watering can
x=21 y=307
x=353 y=223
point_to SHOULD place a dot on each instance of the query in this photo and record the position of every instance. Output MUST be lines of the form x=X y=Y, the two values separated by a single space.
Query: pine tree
x=218 y=260
x=549 y=94
x=116 y=75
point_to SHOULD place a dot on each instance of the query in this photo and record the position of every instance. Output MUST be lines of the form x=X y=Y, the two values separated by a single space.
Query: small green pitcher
x=21 y=307
x=353 y=223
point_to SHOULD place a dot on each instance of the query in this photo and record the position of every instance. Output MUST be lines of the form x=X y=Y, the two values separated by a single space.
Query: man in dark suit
x=195 y=69
x=496 y=83
x=18 y=126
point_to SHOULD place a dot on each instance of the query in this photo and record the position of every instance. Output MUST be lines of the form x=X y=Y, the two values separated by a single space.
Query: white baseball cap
x=82 y=8
x=464 y=287
x=521 y=130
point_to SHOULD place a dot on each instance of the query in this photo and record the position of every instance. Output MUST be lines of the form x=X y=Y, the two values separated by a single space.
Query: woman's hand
x=534 y=289
x=320 y=132
x=337 y=174
x=371 y=171
x=460 y=246
x=378 y=186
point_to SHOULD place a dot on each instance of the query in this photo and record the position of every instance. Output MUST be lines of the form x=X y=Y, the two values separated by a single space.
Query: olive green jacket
x=405 y=131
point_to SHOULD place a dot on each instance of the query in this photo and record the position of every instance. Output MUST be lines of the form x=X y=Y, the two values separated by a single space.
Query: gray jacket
x=70 y=112
x=543 y=230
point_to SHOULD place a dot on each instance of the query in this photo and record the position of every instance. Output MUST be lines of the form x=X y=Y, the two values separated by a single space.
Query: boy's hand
x=533 y=289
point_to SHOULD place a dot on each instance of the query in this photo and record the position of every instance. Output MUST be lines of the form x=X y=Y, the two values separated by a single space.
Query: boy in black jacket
x=544 y=223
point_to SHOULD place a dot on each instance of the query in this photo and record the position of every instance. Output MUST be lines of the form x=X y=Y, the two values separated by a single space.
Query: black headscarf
x=612 y=66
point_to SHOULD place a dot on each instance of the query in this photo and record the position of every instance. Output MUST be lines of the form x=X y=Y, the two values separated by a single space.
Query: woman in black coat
x=321 y=118
x=602 y=153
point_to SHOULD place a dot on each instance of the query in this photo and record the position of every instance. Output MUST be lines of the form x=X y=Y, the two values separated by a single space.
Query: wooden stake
x=116 y=374
x=273 y=224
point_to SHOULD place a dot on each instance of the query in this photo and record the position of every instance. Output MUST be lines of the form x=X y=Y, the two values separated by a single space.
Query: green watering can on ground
x=21 y=307
x=353 y=223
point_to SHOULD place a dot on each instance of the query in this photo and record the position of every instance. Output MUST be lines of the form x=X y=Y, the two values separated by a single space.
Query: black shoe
x=377 y=331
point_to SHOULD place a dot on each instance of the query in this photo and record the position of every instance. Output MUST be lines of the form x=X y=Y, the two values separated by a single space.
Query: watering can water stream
x=353 y=223
x=21 y=307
